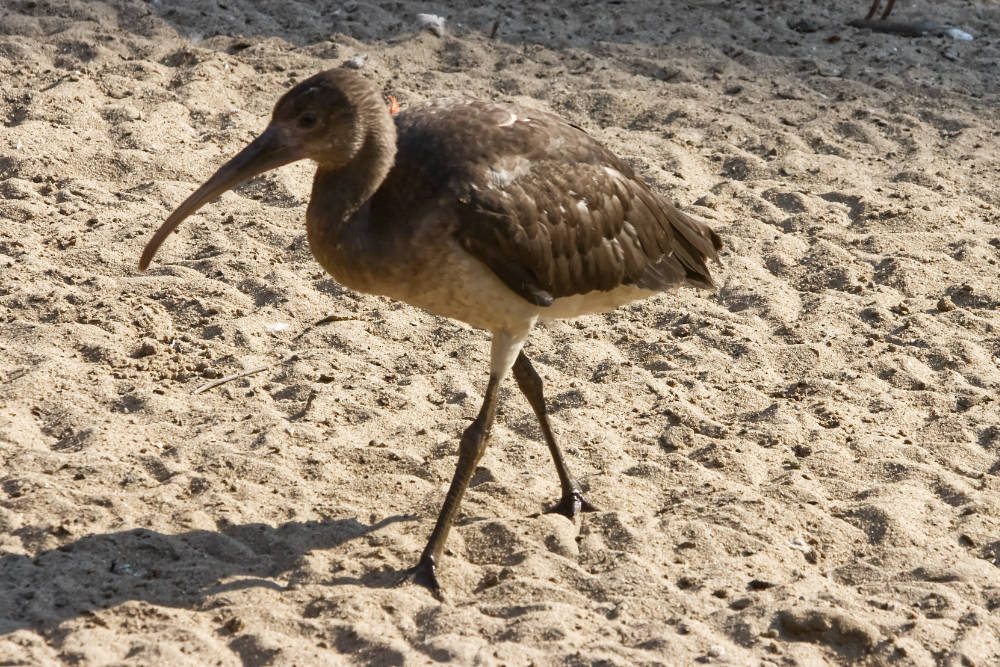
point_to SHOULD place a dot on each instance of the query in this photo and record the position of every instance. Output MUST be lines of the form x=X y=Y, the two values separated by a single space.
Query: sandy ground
x=801 y=468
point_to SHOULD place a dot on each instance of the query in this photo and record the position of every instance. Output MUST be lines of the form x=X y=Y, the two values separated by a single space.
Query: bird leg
x=505 y=348
x=874 y=8
x=470 y=450
x=572 y=501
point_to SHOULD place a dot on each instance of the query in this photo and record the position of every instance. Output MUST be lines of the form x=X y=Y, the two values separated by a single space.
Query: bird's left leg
x=874 y=8
x=504 y=350
x=572 y=501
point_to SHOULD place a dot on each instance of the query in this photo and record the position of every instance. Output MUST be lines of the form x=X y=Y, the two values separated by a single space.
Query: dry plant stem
x=326 y=320
x=229 y=378
x=334 y=318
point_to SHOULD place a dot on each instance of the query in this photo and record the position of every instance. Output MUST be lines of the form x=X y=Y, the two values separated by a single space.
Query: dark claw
x=425 y=574
x=571 y=505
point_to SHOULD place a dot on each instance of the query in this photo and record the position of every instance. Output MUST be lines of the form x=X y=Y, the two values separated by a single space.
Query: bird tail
x=697 y=243
x=685 y=260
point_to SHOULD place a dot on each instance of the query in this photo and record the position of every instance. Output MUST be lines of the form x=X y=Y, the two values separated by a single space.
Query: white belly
x=461 y=287
x=593 y=302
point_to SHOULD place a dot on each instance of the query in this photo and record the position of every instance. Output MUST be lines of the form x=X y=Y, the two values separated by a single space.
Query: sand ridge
x=800 y=468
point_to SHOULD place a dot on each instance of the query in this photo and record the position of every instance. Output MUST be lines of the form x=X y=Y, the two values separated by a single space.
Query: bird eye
x=307 y=120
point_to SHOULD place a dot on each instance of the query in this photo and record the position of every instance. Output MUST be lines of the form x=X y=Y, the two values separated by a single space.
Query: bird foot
x=424 y=573
x=571 y=504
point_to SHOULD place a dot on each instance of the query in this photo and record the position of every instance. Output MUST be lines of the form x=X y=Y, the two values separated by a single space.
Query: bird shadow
x=183 y=570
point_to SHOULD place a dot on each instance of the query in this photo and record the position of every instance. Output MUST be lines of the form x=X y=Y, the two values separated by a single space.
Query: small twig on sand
x=293 y=357
x=326 y=320
x=333 y=318
x=229 y=378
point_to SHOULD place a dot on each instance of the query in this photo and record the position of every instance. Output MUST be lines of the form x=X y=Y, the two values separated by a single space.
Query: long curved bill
x=266 y=152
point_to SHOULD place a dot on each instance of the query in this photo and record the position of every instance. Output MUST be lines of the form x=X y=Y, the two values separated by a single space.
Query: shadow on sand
x=101 y=571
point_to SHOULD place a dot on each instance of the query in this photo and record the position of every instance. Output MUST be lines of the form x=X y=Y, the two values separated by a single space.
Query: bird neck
x=339 y=194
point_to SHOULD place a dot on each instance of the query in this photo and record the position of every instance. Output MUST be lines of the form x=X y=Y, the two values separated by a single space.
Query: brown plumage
x=516 y=187
x=490 y=213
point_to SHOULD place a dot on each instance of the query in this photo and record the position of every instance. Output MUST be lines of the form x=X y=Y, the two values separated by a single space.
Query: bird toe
x=571 y=505
x=424 y=573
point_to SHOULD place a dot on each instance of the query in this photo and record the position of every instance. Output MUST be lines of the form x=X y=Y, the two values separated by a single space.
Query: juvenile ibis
x=494 y=214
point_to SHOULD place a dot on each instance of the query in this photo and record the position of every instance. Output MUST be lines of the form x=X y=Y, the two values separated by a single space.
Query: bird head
x=321 y=118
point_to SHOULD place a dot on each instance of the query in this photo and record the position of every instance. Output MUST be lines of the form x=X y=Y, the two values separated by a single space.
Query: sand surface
x=801 y=468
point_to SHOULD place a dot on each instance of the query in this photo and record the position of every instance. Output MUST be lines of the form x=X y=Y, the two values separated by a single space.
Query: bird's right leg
x=471 y=449
x=504 y=349
x=874 y=8
x=572 y=501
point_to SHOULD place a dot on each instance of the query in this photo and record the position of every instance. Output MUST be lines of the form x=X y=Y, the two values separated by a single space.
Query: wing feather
x=548 y=209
